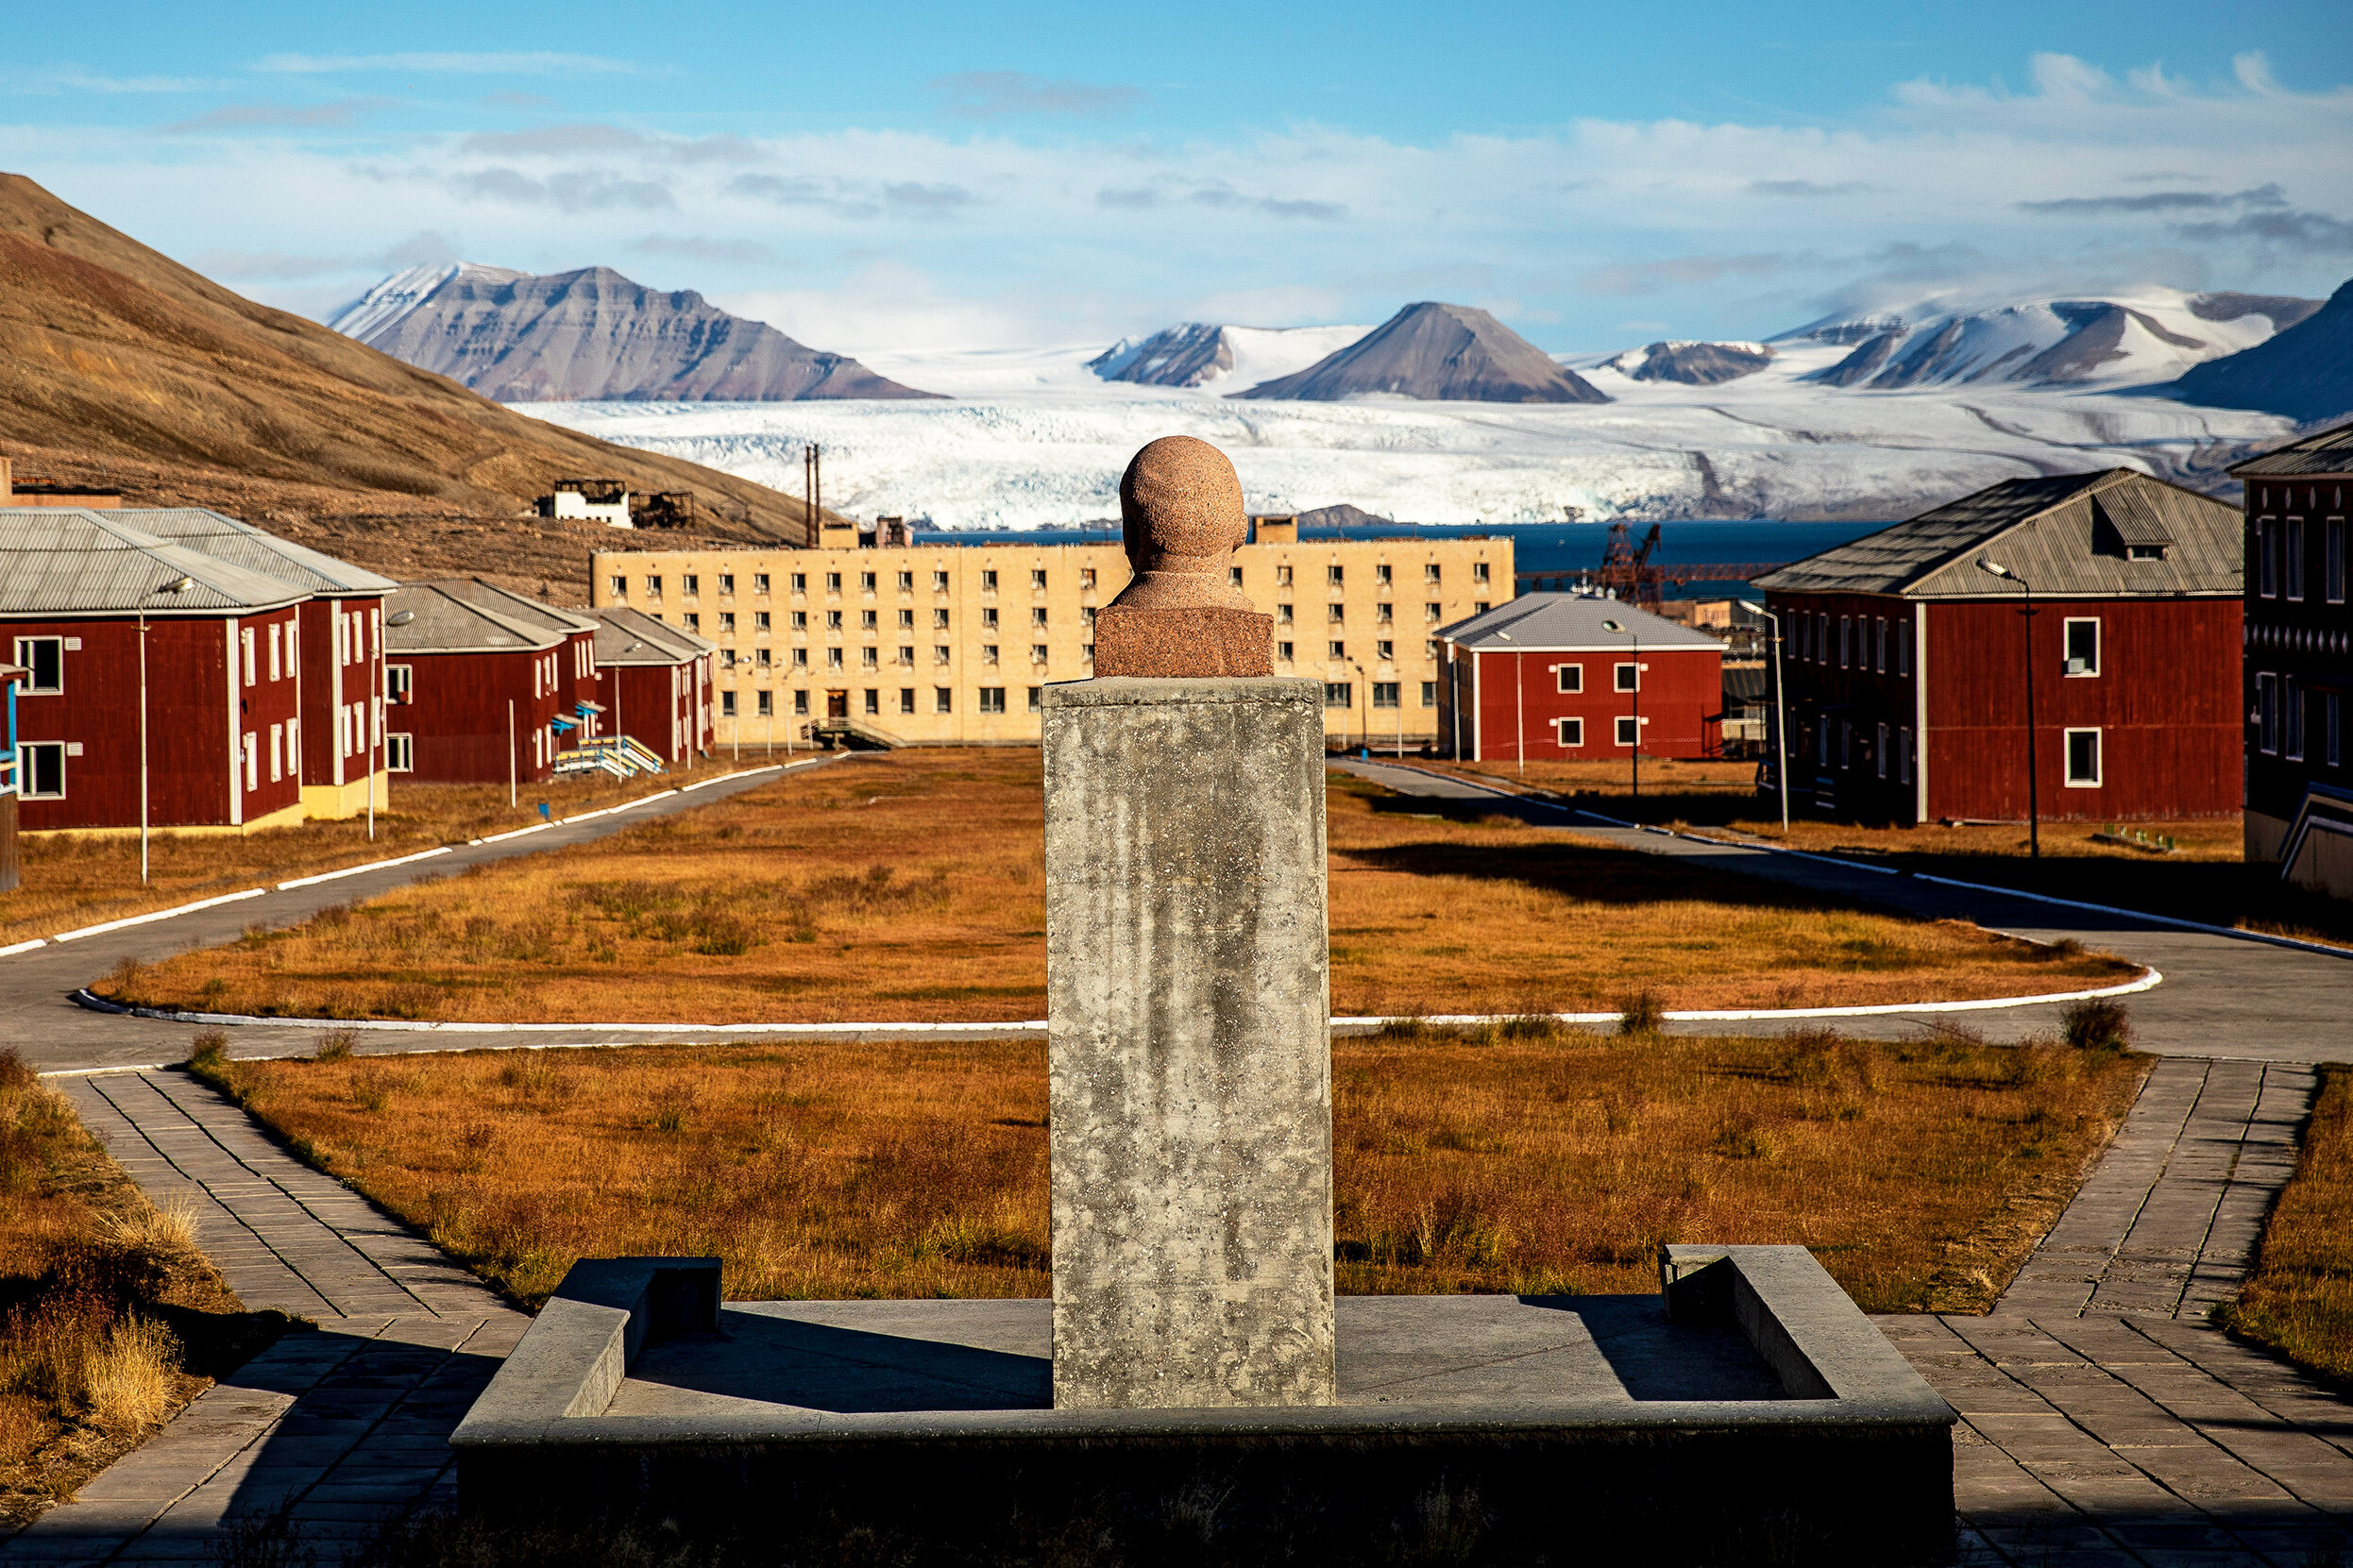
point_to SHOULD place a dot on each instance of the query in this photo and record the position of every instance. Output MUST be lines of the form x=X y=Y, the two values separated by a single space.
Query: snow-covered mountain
x=2305 y=372
x=1038 y=437
x=1435 y=352
x=2147 y=336
x=591 y=334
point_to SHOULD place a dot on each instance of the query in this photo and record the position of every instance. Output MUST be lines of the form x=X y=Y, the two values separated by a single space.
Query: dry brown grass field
x=1530 y=1161
x=109 y=1317
x=2300 y=1299
x=911 y=888
x=2206 y=877
x=72 y=880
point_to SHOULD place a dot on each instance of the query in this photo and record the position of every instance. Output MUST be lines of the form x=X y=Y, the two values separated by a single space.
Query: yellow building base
x=285 y=816
x=338 y=802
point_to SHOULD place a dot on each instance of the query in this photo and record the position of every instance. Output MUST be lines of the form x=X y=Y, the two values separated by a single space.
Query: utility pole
x=2034 y=799
x=1781 y=731
x=176 y=587
x=511 y=792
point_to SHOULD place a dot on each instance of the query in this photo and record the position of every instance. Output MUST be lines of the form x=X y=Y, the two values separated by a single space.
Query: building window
x=833 y=583
x=800 y=582
x=1037 y=616
x=1628 y=677
x=44 y=770
x=399 y=684
x=1086 y=577
x=1569 y=733
x=993 y=699
x=2332 y=728
x=1282 y=577
x=833 y=620
x=694 y=622
x=1821 y=638
x=1036 y=699
x=1904 y=648
x=764 y=704
x=1846 y=744
x=1628 y=731
x=1385 y=651
x=2267 y=714
x=2294 y=564
x=942 y=699
x=1430 y=573
x=727 y=582
x=1336 y=576
x=907 y=699
x=1430 y=693
x=1383 y=613
x=939 y=620
x=1233 y=575
x=1339 y=694
x=618 y=586
x=278 y=753
x=400 y=754
x=1479 y=571
x=727 y=623
x=46 y=658
x=1479 y=607
x=989 y=582
x=1037 y=653
x=906 y=657
x=727 y=704
x=866 y=583
x=799 y=658
x=2083 y=759
x=1385 y=694
x=2083 y=644
x=1846 y=642
x=653 y=587
x=759 y=582
x=940 y=583
x=1879 y=752
x=873 y=701
x=2332 y=560
x=800 y=704
x=867 y=658
x=906 y=620
x=989 y=620
x=1903 y=754
x=1339 y=650
x=833 y=658
x=1569 y=678
x=2267 y=557
x=1336 y=614
x=690 y=585
x=250 y=671
x=253 y=762
x=940 y=653
x=761 y=621
x=1429 y=649
x=1381 y=576
x=1285 y=651
x=989 y=653
x=2292 y=717
x=277 y=671
x=907 y=582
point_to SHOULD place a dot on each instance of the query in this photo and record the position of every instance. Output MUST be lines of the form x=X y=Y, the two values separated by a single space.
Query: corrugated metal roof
x=655 y=642
x=505 y=601
x=2049 y=532
x=1536 y=622
x=73 y=561
x=444 y=621
x=2330 y=452
x=240 y=544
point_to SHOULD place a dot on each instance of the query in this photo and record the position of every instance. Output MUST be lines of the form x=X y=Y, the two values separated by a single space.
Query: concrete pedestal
x=1189 y=1055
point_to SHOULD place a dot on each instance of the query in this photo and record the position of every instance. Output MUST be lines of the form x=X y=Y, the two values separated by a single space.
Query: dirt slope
x=110 y=351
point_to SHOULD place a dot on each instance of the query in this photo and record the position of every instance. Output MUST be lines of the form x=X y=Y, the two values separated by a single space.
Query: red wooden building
x=1546 y=678
x=2299 y=661
x=476 y=679
x=342 y=649
x=654 y=683
x=217 y=702
x=1906 y=661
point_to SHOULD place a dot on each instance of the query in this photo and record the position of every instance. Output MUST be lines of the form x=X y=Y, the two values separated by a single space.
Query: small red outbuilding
x=475 y=680
x=1570 y=677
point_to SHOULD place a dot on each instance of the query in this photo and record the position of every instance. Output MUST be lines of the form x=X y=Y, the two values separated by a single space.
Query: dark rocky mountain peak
x=1437 y=352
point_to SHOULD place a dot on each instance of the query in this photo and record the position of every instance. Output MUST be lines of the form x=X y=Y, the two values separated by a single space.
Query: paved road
x=340 y=1430
x=2104 y=1423
x=36 y=1016
x=2223 y=996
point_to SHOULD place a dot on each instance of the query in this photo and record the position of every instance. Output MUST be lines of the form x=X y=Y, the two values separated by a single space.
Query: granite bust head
x=1180 y=503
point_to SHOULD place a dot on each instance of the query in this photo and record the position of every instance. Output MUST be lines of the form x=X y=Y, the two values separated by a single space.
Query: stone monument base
x=1757 y=1418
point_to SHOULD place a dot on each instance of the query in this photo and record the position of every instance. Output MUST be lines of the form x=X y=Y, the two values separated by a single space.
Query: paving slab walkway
x=2105 y=1421
x=341 y=1429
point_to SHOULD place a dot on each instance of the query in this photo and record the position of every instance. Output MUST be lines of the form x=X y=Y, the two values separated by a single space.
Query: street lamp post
x=1636 y=638
x=1367 y=682
x=2034 y=798
x=1781 y=728
x=177 y=586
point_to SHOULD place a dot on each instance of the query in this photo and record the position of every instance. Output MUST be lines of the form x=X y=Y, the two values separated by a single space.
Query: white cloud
x=521 y=63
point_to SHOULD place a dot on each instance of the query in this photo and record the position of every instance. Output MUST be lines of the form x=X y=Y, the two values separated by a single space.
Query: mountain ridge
x=2303 y=372
x=1435 y=352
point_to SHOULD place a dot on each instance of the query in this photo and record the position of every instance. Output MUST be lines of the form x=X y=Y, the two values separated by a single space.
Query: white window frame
x=278 y=753
x=1627 y=731
x=25 y=771
x=2066 y=758
x=1568 y=680
x=25 y=658
x=1570 y=734
x=1879 y=751
x=276 y=668
x=253 y=753
x=2332 y=562
x=2066 y=627
x=400 y=753
x=2292 y=561
x=250 y=671
x=400 y=684
x=1618 y=673
x=1904 y=648
x=1879 y=645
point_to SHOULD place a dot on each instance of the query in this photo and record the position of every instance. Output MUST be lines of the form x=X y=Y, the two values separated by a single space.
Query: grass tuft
x=2096 y=1024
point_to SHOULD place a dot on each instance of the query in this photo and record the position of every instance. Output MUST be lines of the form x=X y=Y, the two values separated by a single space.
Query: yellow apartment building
x=954 y=644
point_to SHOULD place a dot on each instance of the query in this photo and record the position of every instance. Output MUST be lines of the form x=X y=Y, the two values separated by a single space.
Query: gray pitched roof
x=505 y=601
x=626 y=636
x=1560 y=622
x=2064 y=534
x=444 y=619
x=2330 y=452
x=74 y=561
x=240 y=544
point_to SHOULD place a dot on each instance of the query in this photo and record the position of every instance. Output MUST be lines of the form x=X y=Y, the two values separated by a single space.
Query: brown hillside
x=118 y=364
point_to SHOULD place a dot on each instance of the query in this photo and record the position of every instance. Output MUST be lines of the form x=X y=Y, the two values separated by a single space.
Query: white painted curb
x=24 y=946
x=159 y=915
x=371 y=865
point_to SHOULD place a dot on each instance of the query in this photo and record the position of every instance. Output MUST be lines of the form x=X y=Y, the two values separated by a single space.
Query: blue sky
x=946 y=176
